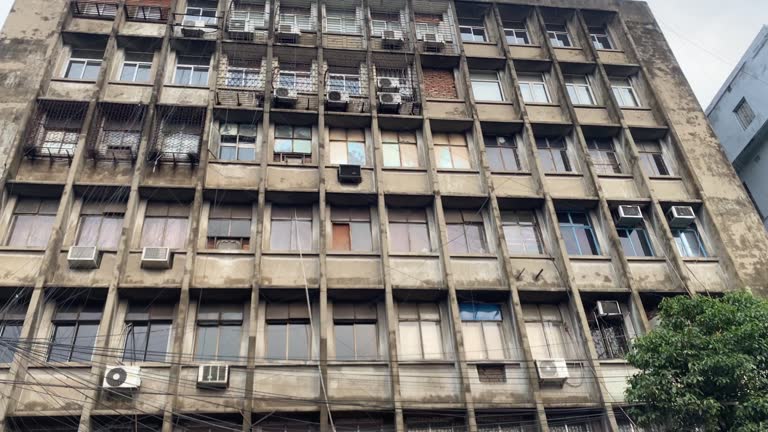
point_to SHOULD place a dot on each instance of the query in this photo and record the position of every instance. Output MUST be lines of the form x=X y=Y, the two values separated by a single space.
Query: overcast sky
x=707 y=36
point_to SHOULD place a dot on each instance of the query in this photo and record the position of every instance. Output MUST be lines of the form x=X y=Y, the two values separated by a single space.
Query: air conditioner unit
x=350 y=174
x=608 y=309
x=229 y=244
x=286 y=95
x=388 y=85
x=433 y=40
x=681 y=216
x=288 y=33
x=213 y=376
x=156 y=258
x=392 y=38
x=83 y=257
x=237 y=25
x=390 y=101
x=336 y=99
x=629 y=215
x=552 y=371
x=122 y=377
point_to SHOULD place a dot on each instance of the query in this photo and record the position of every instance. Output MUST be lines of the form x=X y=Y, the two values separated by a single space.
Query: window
x=351 y=229
x=466 y=233
x=11 y=322
x=603 y=155
x=137 y=67
x=609 y=335
x=341 y=21
x=229 y=227
x=516 y=33
x=419 y=331
x=165 y=225
x=218 y=332
x=345 y=83
x=624 y=92
x=75 y=327
x=94 y=9
x=502 y=153
x=570 y=427
x=180 y=134
x=200 y=11
x=100 y=225
x=579 y=90
x=431 y=26
x=289 y=334
x=578 y=233
x=301 y=18
x=148 y=332
x=293 y=144
x=486 y=85
x=32 y=222
x=533 y=88
x=192 y=71
x=400 y=149
x=553 y=153
x=84 y=64
x=120 y=131
x=635 y=241
x=600 y=38
x=451 y=150
x=558 y=35
x=347 y=146
x=689 y=242
x=548 y=332
x=355 y=331
x=295 y=76
x=483 y=335
x=408 y=230
x=521 y=232
x=251 y=15
x=652 y=158
x=744 y=113
x=237 y=141
x=472 y=29
x=243 y=77
x=381 y=22
x=291 y=229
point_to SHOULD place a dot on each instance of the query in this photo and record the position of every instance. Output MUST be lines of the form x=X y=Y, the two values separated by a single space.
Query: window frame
x=652 y=159
x=522 y=28
x=294 y=229
x=589 y=230
x=239 y=143
x=448 y=145
x=533 y=225
x=226 y=316
x=555 y=33
x=643 y=236
x=286 y=320
x=573 y=89
x=102 y=216
x=475 y=30
x=48 y=217
x=412 y=221
x=379 y=26
x=236 y=213
x=348 y=145
x=355 y=322
x=605 y=160
x=684 y=248
x=421 y=317
x=400 y=144
x=473 y=79
x=82 y=316
x=601 y=40
x=627 y=89
x=299 y=80
x=148 y=322
x=486 y=353
x=523 y=80
x=286 y=157
x=345 y=21
x=248 y=74
x=498 y=142
x=138 y=65
x=744 y=113
x=86 y=62
x=346 y=216
x=193 y=68
x=465 y=234
x=552 y=153
x=8 y=348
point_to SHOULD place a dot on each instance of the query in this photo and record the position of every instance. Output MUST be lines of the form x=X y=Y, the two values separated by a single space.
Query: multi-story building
x=739 y=116
x=332 y=215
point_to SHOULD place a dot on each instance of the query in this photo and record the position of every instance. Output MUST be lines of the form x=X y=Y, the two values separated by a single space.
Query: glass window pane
x=135 y=342
x=91 y=71
x=304 y=241
x=61 y=347
x=419 y=237
x=129 y=70
x=410 y=341
x=586 y=242
x=494 y=342
x=75 y=69
x=206 y=343
x=341 y=239
x=366 y=341
x=142 y=74
x=473 y=340
x=298 y=341
x=345 y=341
x=537 y=340
x=183 y=75
x=109 y=236
x=460 y=157
x=280 y=237
x=361 y=236
x=409 y=155
x=475 y=238
x=84 y=341
x=356 y=151
x=443 y=157
x=338 y=152
x=176 y=233
x=11 y=335
x=398 y=237
x=229 y=343
x=432 y=339
x=89 y=230
x=157 y=346
x=152 y=232
x=487 y=91
x=391 y=155
x=23 y=225
x=276 y=341
x=246 y=154
x=457 y=239
x=41 y=232
x=302 y=146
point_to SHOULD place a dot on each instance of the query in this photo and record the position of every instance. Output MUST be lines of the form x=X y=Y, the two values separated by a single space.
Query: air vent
x=608 y=309
x=122 y=377
x=350 y=174
x=83 y=257
x=681 y=216
x=213 y=376
x=552 y=371
x=629 y=215
x=156 y=258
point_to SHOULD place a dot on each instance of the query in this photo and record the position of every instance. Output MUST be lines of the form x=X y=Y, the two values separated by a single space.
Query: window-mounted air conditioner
x=213 y=376
x=681 y=216
x=122 y=378
x=388 y=85
x=392 y=38
x=336 y=99
x=629 y=215
x=288 y=33
x=83 y=257
x=433 y=40
x=389 y=101
x=286 y=96
x=552 y=371
x=156 y=258
x=237 y=25
x=350 y=174
x=608 y=309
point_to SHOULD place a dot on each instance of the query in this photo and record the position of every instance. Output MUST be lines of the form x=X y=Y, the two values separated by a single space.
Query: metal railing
x=91 y=9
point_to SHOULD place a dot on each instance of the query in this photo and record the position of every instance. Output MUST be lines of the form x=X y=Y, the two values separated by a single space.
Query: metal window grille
x=177 y=135
x=408 y=90
x=298 y=76
x=94 y=9
x=54 y=129
x=146 y=13
x=115 y=132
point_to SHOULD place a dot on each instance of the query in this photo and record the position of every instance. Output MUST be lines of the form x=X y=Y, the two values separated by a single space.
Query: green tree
x=704 y=366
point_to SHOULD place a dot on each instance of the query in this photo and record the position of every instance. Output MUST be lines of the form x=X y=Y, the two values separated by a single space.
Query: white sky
x=707 y=36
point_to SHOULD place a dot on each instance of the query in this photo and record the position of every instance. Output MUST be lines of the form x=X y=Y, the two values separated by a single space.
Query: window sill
x=451 y=100
x=511 y=45
x=616 y=361
x=604 y=258
x=503 y=361
x=362 y=167
x=131 y=83
x=289 y=363
x=225 y=252
x=431 y=362
x=611 y=50
x=636 y=108
x=72 y=80
x=312 y=253
x=110 y=250
x=669 y=177
x=67 y=365
x=632 y=259
x=542 y=104
x=332 y=362
x=614 y=175
x=478 y=43
x=413 y=255
x=570 y=48
x=512 y=173
x=531 y=256
x=456 y=171
x=486 y=255
x=21 y=249
x=589 y=106
x=700 y=260
x=286 y=164
x=563 y=174
x=181 y=86
x=344 y=253
x=343 y=34
x=405 y=169
x=173 y=251
x=235 y=162
x=493 y=102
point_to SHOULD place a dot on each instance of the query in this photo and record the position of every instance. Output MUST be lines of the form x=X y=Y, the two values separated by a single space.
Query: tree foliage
x=704 y=366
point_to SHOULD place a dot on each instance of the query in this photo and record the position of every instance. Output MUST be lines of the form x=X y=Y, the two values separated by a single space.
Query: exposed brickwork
x=430 y=19
x=439 y=83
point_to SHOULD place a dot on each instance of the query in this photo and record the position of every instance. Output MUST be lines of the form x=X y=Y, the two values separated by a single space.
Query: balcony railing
x=94 y=9
x=147 y=13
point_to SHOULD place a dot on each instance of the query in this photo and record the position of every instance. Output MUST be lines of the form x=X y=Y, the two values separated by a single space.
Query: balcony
x=247 y=22
x=241 y=77
x=147 y=10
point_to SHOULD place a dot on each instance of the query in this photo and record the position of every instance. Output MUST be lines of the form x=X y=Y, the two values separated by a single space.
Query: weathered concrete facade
x=481 y=241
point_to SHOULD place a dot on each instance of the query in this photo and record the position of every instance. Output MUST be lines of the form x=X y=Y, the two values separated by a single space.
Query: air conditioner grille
x=387 y=98
x=82 y=252
x=684 y=211
x=632 y=211
x=155 y=253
